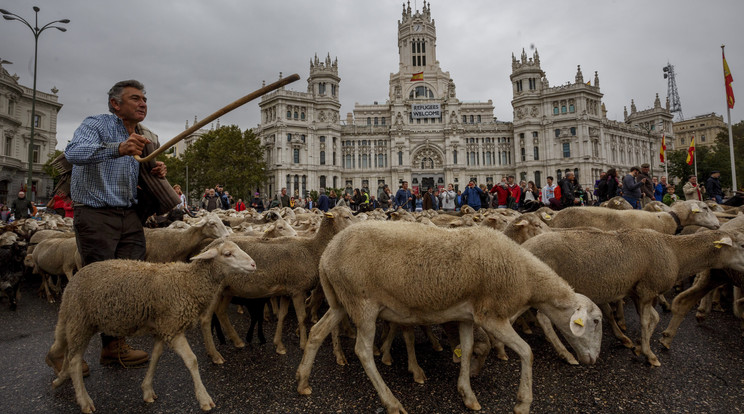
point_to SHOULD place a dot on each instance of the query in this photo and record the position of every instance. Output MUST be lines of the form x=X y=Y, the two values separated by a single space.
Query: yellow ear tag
x=695 y=210
x=718 y=243
x=579 y=322
x=458 y=352
x=329 y=215
x=547 y=216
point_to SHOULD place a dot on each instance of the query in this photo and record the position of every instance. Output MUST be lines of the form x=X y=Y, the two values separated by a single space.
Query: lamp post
x=36 y=31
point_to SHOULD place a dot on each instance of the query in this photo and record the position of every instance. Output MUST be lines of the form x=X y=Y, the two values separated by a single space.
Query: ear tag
x=458 y=352
x=579 y=321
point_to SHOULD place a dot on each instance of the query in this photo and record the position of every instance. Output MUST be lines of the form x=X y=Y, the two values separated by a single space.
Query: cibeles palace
x=426 y=135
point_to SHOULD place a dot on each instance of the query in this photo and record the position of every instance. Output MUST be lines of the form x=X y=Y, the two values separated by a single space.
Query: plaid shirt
x=100 y=176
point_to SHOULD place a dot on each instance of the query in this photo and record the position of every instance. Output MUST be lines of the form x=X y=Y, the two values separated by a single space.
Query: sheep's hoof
x=281 y=350
x=58 y=381
x=375 y=351
x=637 y=350
x=341 y=360
x=305 y=391
x=150 y=396
x=239 y=344
x=623 y=327
x=572 y=361
x=628 y=343
x=666 y=340
x=654 y=361
x=88 y=406
x=700 y=317
x=473 y=405
x=717 y=307
x=208 y=405
x=387 y=360
x=217 y=359
x=419 y=376
x=502 y=357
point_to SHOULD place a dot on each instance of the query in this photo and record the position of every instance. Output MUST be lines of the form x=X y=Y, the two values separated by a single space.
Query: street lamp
x=36 y=31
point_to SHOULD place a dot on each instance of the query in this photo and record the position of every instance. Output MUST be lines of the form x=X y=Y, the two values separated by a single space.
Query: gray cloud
x=197 y=56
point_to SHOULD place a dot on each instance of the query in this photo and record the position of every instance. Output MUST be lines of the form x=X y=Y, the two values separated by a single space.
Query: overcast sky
x=196 y=56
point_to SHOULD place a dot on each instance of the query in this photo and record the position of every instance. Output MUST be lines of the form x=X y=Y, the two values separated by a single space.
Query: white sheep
x=127 y=297
x=641 y=263
x=56 y=256
x=176 y=245
x=498 y=279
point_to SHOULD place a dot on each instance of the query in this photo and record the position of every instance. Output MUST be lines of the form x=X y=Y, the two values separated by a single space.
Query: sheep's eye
x=228 y=253
x=596 y=321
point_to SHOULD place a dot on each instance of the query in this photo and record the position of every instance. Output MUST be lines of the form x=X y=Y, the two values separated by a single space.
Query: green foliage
x=48 y=168
x=313 y=195
x=223 y=156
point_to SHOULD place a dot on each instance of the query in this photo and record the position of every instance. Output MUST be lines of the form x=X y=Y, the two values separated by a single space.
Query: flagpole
x=731 y=135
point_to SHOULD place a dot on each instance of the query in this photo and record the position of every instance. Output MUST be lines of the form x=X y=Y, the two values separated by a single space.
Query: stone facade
x=555 y=129
x=15 y=134
x=705 y=128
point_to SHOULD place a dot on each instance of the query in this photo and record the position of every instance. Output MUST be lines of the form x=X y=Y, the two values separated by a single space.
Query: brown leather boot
x=56 y=365
x=119 y=352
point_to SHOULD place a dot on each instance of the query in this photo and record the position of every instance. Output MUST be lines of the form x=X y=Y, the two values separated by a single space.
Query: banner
x=662 y=150
x=727 y=79
x=691 y=151
x=417 y=77
x=431 y=110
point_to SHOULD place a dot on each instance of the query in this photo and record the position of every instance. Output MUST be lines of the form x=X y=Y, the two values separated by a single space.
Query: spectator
x=632 y=188
x=427 y=202
x=257 y=203
x=211 y=201
x=345 y=201
x=22 y=207
x=647 y=189
x=692 y=189
x=182 y=205
x=551 y=194
x=589 y=196
x=403 y=197
x=670 y=197
x=659 y=189
x=373 y=203
x=458 y=201
x=284 y=198
x=240 y=205
x=5 y=213
x=531 y=197
x=356 y=200
x=57 y=203
x=419 y=202
x=602 y=177
x=448 y=198
x=385 y=198
x=472 y=196
x=435 y=200
x=332 y=199
x=508 y=193
x=323 y=201
x=608 y=188
x=570 y=191
x=713 y=187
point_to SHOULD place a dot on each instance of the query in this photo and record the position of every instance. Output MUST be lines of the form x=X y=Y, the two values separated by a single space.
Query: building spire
x=579 y=75
x=596 y=79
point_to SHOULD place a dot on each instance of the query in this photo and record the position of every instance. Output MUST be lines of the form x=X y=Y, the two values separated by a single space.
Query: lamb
x=501 y=280
x=126 y=297
x=682 y=214
x=56 y=256
x=648 y=263
x=288 y=266
x=174 y=245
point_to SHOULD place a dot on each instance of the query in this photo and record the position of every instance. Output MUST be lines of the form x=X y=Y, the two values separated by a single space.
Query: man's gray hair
x=116 y=91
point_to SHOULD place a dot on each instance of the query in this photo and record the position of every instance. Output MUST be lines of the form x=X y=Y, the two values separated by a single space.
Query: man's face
x=471 y=184
x=405 y=185
x=693 y=180
x=655 y=180
x=449 y=187
x=284 y=191
x=21 y=195
x=510 y=180
x=550 y=181
x=211 y=192
x=644 y=170
x=133 y=106
x=663 y=180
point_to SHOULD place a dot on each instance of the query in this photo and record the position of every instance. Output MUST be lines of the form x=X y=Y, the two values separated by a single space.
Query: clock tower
x=417 y=39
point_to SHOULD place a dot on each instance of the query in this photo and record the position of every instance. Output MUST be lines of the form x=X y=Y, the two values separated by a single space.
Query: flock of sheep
x=564 y=269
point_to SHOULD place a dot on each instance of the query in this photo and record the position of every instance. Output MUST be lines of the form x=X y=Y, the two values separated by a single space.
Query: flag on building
x=727 y=79
x=691 y=151
x=662 y=150
x=417 y=77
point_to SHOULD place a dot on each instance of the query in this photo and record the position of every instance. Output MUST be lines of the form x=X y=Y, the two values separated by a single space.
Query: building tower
x=672 y=93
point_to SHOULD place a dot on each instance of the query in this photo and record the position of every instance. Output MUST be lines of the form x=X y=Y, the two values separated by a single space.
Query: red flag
x=691 y=152
x=417 y=76
x=727 y=79
x=663 y=147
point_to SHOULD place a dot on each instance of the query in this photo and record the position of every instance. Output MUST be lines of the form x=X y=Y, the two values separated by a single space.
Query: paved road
x=703 y=373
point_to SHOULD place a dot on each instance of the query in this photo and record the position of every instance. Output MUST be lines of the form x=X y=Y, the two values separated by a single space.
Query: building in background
x=426 y=135
x=705 y=128
x=15 y=133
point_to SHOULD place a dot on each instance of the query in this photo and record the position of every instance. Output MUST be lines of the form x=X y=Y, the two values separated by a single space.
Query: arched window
x=454 y=157
x=536 y=152
x=322 y=181
x=296 y=157
x=322 y=157
x=421 y=92
x=400 y=157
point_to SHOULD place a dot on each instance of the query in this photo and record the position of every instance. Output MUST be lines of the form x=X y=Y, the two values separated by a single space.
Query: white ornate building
x=15 y=134
x=426 y=135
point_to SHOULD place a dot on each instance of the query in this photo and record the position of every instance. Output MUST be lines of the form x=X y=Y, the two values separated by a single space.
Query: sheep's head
x=227 y=255
x=581 y=325
x=731 y=249
x=526 y=227
x=212 y=227
x=696 y=213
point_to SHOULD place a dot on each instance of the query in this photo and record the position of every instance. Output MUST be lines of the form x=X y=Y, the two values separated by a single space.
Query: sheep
x=655 y=206
x=56 y=256
x=174 y=245
x=682 y=214
x=617 y=203
x=288 y=266
x=127 y=297
x=11 y=270
x=501 y=280
x=648 y=263
x=704 y=283
x=525 y=227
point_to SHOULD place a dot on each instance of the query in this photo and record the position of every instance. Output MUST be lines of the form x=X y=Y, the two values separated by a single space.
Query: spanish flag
x=417 y=77
x=662 y=150
x=691 y=152
x=727 y=79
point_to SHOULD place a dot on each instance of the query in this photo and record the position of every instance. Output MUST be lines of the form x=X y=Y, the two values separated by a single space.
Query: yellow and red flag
x=727 y=79
x=417 y=77
x=691 y=152
x=662 y=150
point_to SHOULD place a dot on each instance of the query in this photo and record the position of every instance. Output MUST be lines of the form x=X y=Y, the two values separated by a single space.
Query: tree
x=49 y=169
x=722 y=157
x=223 y=156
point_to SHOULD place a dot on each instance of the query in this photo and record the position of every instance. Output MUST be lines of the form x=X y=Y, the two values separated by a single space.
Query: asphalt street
x=702 y=373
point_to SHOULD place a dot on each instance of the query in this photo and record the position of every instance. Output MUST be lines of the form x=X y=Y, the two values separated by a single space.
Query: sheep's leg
x=463 y=380
x=363 y=348
x=205 y=319
x=620 y=315
x=413 y=366
x=706 y=304
x=313 y=303
x=504 y=332
x=738 y=308
x=283 y=310
x=607 y=310
x=318 y=333
x=704 y=283
x=148 y=394
x=267 y=312
x=75 y=371
x=552 y=337
x=350 y=332
x=663 y=302
x=649 y=318
x=387 y=358
x=432 y=338
x=716 y=299
x=298 y=300
x=181 y=347
x=45 y=284
x=274 y=304
x=224 y=318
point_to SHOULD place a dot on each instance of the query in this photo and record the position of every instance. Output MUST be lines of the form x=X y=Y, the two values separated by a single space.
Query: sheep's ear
x=546 y=216
x=522 y=223
x=726 y=240
x=209 y=254
x=577 y=321
x=329 y=215
x=695 y=209
x=657 y=207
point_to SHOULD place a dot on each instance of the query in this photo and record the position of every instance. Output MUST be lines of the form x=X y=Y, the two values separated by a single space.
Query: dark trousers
x=108 y=233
